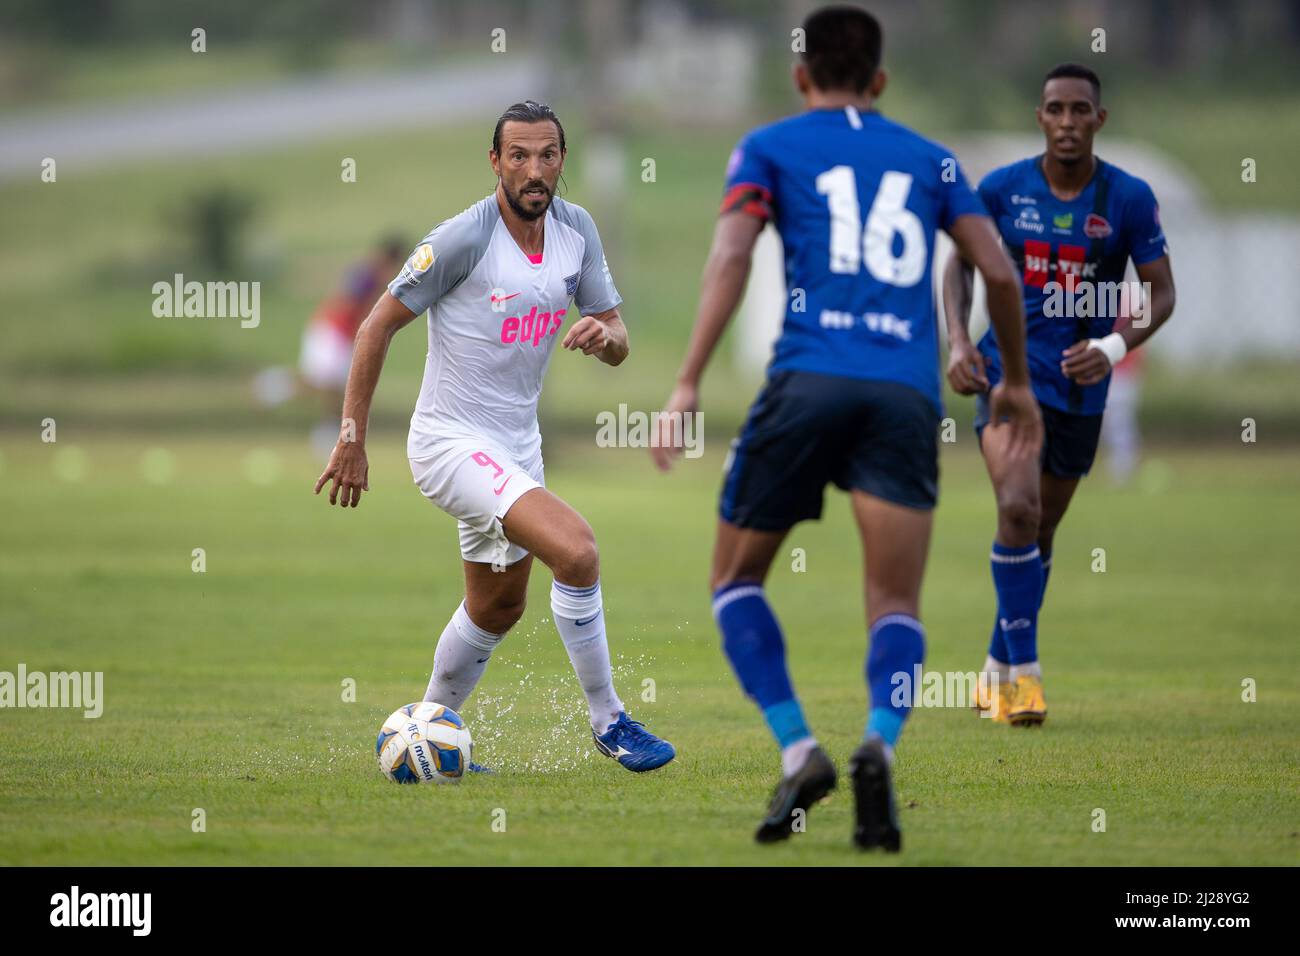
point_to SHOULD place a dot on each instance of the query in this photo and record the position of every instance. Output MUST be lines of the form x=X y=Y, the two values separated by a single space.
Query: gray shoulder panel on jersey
x=446 y=256
x=596 y=292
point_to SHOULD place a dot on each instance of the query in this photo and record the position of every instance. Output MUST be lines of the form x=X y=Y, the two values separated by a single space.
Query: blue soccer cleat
x=479 y=768
x=628 y=742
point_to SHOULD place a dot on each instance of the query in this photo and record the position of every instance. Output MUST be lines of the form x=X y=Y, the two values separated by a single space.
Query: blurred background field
x=226 y=165
x=1201 y=85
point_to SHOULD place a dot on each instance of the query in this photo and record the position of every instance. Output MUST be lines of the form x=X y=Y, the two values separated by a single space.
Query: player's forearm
x=616 y=342
x=720 y=292
x=1007 y=316
x=367 y=362
x=1158 y=310
x=958 y=282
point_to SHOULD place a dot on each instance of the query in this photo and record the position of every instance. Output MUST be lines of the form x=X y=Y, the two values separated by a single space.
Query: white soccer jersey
x=494 y=318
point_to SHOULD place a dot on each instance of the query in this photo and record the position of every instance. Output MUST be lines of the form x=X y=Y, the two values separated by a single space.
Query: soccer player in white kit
x=497 y=282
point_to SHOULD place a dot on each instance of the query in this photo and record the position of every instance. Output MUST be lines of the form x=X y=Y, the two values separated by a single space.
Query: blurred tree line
x=1176 y=32
x=974 y=56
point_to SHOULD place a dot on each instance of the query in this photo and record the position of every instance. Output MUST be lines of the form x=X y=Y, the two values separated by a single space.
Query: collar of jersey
x=1047 y=184
x=520 y=249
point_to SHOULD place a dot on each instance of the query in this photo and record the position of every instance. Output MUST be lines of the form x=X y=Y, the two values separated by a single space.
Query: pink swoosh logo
x=503 y=486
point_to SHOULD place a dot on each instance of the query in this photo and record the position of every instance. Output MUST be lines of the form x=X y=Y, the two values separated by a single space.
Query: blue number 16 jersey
x=857 y=200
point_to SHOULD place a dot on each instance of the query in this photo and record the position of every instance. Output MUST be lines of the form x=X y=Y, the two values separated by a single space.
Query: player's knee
x=498 y=615
x=1018 y=520
x=578 y=562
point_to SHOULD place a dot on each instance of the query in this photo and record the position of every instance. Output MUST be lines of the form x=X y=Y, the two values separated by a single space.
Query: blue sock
x=1047 y=572
x=998 y=649
x=1018 y=579
x=897 y=647
x=751 y=638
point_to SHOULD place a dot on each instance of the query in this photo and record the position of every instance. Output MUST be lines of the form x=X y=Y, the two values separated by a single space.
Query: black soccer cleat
x=873 y=792
x=814 y=780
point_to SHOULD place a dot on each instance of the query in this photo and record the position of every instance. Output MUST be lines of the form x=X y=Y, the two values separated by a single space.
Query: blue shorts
x=807 y=429
x=1069 y=441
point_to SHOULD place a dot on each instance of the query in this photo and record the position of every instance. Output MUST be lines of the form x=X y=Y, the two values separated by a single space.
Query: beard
x=516 y=201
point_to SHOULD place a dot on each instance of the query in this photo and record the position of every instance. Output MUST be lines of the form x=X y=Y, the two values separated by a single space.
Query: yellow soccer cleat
x=1028 y=705
x=996 y=705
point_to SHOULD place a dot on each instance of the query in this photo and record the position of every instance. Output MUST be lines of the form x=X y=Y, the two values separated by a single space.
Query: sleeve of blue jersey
x=958 y=198
x=1143 y=232
x=990 y=191
x=749 y=165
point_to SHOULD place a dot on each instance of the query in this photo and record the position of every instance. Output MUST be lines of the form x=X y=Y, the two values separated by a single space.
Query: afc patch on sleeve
x=418 y=264
x=571 y=285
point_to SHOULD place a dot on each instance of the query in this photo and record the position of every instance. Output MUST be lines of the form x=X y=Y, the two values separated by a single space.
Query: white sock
x=1026 y=670
x=588 y=649
x=460 y=660
x=795 y=755
x=994 y=666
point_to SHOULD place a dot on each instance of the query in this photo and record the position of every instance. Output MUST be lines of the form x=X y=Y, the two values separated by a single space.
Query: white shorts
x=326 y=357
x=476 y=481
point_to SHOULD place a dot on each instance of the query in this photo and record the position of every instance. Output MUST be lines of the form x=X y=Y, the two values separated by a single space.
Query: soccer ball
x=424 y=743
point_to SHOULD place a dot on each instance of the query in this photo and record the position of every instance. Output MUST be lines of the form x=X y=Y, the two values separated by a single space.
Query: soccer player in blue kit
x=852 y=395
x=1071 y=223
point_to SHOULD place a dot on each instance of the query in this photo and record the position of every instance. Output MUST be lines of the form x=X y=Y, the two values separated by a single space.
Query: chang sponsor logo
x=1029 y=220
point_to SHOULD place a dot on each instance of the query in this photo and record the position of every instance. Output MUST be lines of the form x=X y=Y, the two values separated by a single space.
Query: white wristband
x=1112 y=346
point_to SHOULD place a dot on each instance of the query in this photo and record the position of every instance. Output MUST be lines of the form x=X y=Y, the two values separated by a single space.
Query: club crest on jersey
x=571 y=285
x=1096 y=227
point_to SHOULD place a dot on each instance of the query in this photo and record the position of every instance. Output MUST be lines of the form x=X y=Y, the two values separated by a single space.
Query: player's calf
x=459 y=660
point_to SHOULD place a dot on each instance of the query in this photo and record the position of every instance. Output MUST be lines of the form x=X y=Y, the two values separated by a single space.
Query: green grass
x=223 y=689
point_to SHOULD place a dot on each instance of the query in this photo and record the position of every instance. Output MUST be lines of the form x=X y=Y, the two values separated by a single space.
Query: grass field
x=224 y=688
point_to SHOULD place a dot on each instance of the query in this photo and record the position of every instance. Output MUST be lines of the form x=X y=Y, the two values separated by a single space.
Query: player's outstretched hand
x=1014 y=407
x=588 y=334
x=350 y=471
x=685 y=400
x=1084 y=365
x=966 y=372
